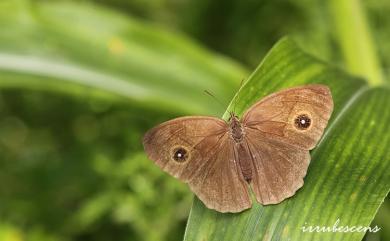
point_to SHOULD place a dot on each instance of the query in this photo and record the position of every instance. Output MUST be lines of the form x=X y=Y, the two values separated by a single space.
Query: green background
x=81 y=82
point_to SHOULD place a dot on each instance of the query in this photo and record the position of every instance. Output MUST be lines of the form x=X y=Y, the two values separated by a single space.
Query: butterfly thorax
x=236 y=129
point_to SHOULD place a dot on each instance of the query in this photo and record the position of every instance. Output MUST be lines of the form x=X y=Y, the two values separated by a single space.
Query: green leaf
x=348 y=177
x=76 y=48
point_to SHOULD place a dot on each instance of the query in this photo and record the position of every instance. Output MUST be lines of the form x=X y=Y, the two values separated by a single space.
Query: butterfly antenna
x=215 y=98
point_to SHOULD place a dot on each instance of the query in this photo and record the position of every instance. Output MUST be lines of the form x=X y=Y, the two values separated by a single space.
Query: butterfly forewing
x=198 y=151
x=297 y=116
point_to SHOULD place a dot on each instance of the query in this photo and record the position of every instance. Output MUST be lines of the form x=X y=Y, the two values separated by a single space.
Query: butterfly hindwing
x=278 y=168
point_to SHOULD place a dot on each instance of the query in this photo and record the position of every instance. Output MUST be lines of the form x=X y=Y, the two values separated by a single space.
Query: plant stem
x=354 y=37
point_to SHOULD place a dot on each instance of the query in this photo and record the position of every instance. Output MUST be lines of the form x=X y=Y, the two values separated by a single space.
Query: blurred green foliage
x=71 y=161
x=77 y=172
x=246 y=30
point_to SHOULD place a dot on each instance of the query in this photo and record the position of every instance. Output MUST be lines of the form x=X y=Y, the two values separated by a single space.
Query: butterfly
x=266 y=152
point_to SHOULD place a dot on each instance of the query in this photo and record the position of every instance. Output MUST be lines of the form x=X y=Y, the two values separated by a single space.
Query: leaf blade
x=285 y=220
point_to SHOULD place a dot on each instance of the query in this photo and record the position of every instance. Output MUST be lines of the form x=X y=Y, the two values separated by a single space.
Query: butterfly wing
x=297 y=116
x=280 y=131
x=198 y=151
x=279 y=168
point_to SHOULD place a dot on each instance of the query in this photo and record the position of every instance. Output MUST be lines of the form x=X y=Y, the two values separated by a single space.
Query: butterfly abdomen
x=244 y=160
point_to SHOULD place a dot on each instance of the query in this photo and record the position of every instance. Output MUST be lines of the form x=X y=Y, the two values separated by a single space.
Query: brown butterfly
x=267 y=150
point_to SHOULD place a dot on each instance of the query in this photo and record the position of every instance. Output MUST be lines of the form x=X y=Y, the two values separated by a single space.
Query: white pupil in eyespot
x=180 y=155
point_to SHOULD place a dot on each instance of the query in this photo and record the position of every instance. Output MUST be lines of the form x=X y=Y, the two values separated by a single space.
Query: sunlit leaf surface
x=348 y=177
